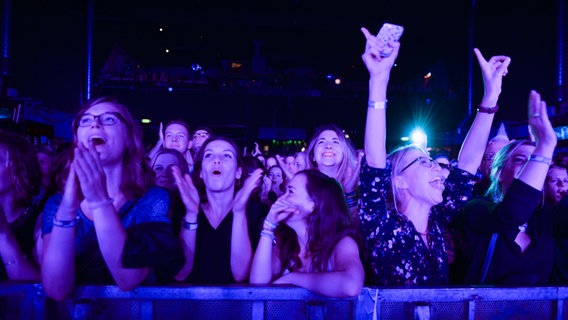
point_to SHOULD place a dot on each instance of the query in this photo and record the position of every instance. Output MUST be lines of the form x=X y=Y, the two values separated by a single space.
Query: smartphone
x=389 y=32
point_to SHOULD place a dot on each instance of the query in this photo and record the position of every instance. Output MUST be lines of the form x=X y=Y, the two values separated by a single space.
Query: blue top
x=150 y=238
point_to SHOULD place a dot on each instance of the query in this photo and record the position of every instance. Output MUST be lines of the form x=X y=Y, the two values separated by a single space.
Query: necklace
x=523 y=227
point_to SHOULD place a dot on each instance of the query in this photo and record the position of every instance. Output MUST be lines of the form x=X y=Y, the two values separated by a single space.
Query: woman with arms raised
x=406 y=203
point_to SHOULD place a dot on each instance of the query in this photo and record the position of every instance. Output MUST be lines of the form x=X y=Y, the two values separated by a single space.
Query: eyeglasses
x=106 y=119
x=201 y=135
x=424 y=161
x=444 y=165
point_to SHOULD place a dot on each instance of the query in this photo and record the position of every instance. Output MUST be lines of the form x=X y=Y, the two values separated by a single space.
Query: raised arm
x=379 y=72
x=241 y=249
x=58 y=262
x=492 y=71
x=158 y=144
x=188 y=233
x=111 y=235
x=534 y=172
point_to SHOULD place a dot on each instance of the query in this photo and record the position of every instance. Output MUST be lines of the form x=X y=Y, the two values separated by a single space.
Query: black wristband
x=489 y=110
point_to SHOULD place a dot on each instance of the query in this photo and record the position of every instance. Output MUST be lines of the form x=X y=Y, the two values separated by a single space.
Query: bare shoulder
x=346 y=245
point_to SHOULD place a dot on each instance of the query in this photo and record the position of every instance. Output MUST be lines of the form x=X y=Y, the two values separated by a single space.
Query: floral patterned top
x=395 y=251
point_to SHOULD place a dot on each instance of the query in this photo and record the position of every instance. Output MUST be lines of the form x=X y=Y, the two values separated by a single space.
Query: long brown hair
x=328 y=223
x=22 y=164
x=137 y=176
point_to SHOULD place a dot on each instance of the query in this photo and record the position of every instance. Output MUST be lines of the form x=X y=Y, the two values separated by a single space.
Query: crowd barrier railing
x=28 y=301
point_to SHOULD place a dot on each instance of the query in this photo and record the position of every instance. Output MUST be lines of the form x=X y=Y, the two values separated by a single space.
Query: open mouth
x=328 y=154
x=216 y=172
x=97 y=140
x=438 y=183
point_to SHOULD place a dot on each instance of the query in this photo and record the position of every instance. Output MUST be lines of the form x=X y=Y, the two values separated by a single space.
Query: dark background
x=298 y=44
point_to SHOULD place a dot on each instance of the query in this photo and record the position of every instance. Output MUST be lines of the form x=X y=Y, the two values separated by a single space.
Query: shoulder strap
x=488 y=257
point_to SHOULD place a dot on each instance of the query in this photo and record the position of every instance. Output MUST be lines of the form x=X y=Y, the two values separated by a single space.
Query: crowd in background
x=198 y=210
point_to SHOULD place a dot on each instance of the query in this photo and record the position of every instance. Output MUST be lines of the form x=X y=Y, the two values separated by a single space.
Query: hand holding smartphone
x=389 y=32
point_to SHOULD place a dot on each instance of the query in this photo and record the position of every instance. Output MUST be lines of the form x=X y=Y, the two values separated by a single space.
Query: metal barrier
x=27 y=301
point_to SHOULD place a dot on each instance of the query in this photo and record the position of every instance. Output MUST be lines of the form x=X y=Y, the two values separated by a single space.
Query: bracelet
x=189 y=225
x=352 y=203
x=351 y=195
x=98 y=205
x=269 y=226
x=267 y=234
x=65 y=223
x=540 y=159
x=489 y=110
x=377 y=104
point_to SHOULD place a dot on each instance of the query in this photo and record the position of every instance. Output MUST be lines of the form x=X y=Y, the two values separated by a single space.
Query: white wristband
x=377 y=104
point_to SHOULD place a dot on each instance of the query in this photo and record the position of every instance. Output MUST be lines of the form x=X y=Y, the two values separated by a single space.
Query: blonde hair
x=349 y=153
x=395 y=159
x=495 y=190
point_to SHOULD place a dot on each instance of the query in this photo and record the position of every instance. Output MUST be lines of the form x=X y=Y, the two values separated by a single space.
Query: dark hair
x=198 y=164
x=251 y=163
x=22 y=164
x=181 y=122
x=59 y=171
x=282 y=186
x=182 y=163
x=137 y=176
x=328 y=223
x=47 y=150
x=206 y=129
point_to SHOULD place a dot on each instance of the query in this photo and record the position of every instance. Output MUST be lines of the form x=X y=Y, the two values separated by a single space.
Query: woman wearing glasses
x=405 y=205
x=108 y=226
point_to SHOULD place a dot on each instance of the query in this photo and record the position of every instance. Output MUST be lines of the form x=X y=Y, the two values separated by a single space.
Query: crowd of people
x=197 y=210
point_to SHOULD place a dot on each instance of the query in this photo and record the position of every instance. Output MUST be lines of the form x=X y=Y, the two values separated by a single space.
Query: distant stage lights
x=418 y=136
x=146 y=120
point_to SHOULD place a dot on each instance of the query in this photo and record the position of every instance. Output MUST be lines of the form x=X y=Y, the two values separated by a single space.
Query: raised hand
x=71 y=195
x=242 y=197
x=539 y=122
x=266 y=185
x=90 y=173
x=287 y=170
x=376 y=64
x=188 y=192
x=161 y=134
x=492 y=71
x=256 y=151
